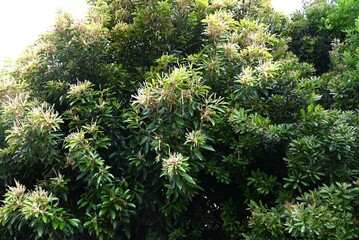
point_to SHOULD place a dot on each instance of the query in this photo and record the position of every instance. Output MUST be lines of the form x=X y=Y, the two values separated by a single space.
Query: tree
x=178 y=120
x=314 y=29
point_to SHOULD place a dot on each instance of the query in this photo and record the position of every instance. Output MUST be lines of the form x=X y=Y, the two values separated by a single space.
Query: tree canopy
x=182 y=119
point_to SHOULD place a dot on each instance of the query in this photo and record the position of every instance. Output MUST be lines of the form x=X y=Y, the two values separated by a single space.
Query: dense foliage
x=182 y=119
x=314 y=30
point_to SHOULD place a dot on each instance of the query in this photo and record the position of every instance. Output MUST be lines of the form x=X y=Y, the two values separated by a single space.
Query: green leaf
x=54 y=224
x=41 y=228
x=102 y=212
x=198 y=153
x=179 y=121
x=131 y=205
x=128 y=231
x=87 y=224
x=113 y=214
x=207 y=147
x=62 y=225
x=74 y=222
x=81 y=175
x=188 y=178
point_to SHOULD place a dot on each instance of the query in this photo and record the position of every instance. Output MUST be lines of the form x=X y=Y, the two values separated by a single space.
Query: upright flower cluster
x=78 y=90
x=219 y=23
x=218 y=4
x=173 y=163
x=44 y=118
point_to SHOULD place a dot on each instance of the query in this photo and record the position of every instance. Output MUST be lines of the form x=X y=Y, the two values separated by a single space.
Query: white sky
x=21 y=21
x=286 y=6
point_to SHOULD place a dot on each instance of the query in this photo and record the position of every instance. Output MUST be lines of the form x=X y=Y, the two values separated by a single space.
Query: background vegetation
x=182 y=119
